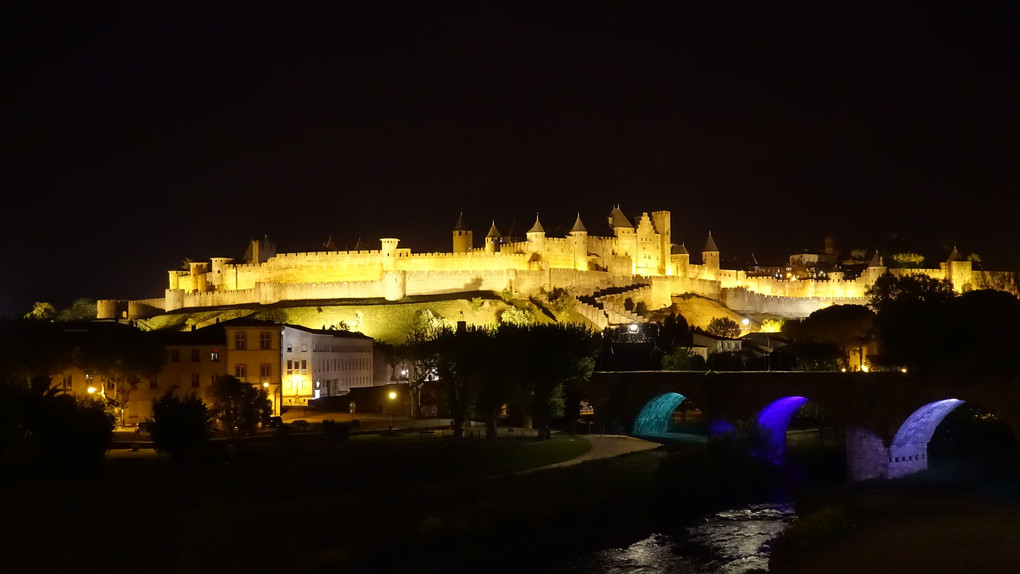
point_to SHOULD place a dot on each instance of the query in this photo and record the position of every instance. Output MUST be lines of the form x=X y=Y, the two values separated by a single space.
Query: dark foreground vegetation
x=311 y=504
x=960 y=515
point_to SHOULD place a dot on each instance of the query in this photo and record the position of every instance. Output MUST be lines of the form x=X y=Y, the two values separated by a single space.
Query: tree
x=682 y=359
x=849 y=327
x=911 y=319
x=180 y=426
x=82 y=309
x=890 y=289
x=515 y=315
x=239 y=407
x=724 y=327
x=119 y=356
x=42 y=311
x=906 y=260
x=548 y=357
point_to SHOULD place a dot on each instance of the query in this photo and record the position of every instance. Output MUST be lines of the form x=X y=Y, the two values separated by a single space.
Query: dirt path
x=606 y=446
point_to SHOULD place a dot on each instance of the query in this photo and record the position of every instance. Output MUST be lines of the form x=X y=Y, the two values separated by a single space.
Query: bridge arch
x=908 y=452
x=775 y=418
x=657 y=414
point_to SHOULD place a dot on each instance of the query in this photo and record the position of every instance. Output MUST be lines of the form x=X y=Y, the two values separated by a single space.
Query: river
x=727 y=542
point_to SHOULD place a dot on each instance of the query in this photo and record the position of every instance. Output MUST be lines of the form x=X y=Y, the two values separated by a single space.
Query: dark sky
x=140 y=136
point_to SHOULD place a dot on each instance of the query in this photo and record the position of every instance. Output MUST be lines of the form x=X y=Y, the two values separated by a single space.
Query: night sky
x=139 y=136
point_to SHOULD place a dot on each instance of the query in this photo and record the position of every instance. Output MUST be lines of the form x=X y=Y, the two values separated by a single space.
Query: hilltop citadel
x=636 y=261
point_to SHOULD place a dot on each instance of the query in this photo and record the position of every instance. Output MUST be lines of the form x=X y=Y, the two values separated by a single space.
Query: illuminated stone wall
x=578 y=262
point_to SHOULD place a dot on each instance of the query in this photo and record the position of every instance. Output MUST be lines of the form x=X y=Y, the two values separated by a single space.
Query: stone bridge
x=885 y=419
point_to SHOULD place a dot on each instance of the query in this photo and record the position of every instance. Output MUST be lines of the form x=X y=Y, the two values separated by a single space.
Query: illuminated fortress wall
x=640 y=258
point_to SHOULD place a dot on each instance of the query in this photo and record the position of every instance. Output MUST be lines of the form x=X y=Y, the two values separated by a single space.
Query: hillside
x=383 y=321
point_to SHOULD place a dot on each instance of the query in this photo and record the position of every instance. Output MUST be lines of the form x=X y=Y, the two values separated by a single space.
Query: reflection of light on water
x=728 y=542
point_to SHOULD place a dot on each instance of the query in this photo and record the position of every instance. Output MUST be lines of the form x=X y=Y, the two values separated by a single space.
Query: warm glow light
x=91 y=390
x=746 y=322
x=266 y=385
x=632 y=327
x=393 y=395
x=903 y=370
x=843 y=370
x=864 y=368
x=403 y=372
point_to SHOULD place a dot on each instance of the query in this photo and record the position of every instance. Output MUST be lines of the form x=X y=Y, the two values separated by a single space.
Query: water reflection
x=728 y=542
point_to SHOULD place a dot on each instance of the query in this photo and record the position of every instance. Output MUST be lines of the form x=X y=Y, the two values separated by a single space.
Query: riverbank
x=959 y=517
x=383 y=503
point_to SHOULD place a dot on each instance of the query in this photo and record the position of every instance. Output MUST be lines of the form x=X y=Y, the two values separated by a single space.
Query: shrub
x=180 y=427
x=336 y=431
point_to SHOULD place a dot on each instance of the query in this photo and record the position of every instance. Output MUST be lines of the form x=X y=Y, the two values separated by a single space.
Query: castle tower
x=389 y=252
x=681 y=260
x=579 y=237
x=958 y=270
x=710 y=257
x=462 y=240
x=626 y=238
x=661 y=220
x=492 y=239
x=536 y=237
x=876 y=268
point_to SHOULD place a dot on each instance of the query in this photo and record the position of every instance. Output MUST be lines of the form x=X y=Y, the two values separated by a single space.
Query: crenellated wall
x=632 y=255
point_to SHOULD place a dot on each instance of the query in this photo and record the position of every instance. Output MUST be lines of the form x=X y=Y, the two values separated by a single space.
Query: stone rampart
x=740 y=299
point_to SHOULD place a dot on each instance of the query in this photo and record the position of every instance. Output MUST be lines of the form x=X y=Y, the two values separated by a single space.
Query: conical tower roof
x=954 y=256
x=680 y=250
x=330 y=245
x=460 y=223
x=578 y=226
x=876 y=260
x=618 y=219
x=710 y=243
x=360 y=245
x=493 y=232
x=537 y=228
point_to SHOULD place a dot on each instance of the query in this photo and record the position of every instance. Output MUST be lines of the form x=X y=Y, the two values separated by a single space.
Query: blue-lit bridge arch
x=886 y=420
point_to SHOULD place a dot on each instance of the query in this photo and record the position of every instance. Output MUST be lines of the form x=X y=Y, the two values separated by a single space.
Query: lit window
x=214 y=356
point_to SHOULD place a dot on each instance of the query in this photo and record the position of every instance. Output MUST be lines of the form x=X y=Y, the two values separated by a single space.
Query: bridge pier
x=867 y=456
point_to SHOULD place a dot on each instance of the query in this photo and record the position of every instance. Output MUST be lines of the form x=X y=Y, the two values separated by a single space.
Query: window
x=194 y=356
x=194 y=380
x=67 y=382
x=241 y=371
x=290 y=367
x=304 y=348
x=290 y=348
x=265 y=340
x=175 y=355
x=214 y=356
x=304 y=366
x=240 y=340
x=265 y=370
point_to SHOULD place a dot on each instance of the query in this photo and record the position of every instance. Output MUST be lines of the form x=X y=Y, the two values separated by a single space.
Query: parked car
x=275 y=422
x=300 y=425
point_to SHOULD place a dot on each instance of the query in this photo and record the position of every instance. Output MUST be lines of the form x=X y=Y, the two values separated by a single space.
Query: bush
x=336 y=431
x=180 y=427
